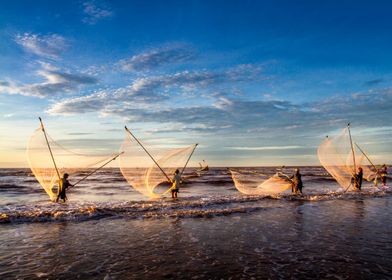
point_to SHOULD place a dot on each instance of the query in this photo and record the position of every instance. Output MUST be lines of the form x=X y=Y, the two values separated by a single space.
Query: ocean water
x=109 y=231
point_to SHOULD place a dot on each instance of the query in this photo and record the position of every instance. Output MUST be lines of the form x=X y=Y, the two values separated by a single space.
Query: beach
x=211 y=232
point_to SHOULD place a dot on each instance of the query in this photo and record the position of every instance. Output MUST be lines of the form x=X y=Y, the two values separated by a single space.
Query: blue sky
x=254 y=82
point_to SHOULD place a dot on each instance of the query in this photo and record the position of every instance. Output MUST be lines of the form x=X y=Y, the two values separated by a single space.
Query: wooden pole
x=141 y=145
x=366 y=156
x=50 y=150
x=352 y=148
x=95 y=170
x=183 y=169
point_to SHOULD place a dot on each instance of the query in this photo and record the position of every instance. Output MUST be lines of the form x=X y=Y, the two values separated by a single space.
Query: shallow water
x=108 y=231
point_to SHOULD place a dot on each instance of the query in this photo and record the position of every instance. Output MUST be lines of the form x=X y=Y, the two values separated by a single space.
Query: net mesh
x=253 y=183
x=67 y=161
x=336 y=156
x=150 y=180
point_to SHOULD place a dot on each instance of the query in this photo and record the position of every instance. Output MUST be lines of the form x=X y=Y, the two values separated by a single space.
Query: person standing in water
x=63 y=186
x=296 y=182
x=383 y=174
x=358 y=179
x=176 y=183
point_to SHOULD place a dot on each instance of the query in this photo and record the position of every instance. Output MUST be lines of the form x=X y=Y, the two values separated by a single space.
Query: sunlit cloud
x=158 y=57
x=261 y=117
x=150 y=92
x=49 y=46
x=56 y=82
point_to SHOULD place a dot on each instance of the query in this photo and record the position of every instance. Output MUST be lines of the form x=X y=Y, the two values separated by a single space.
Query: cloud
x=95 y=11
x=80 y=133
x=374 y=82
x=257 y=118
x=238 y=115
x=157 y=57
x=266 y=148
x=80 y=105
x=55 y=83
x=49 y=46
x=374 y=106
x=152 y=92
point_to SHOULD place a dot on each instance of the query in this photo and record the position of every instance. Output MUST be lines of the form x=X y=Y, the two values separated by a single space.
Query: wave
x=18 y=189
x=191 y=207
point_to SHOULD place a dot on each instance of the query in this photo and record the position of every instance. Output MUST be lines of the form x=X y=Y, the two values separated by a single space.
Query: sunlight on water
x=107 y=229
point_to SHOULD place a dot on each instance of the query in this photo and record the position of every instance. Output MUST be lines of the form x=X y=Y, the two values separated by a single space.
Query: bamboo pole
x=50 y=149
x=160 y=168
x=352 y=148
x=366 y=156
x=183 y=169
x=95 y=170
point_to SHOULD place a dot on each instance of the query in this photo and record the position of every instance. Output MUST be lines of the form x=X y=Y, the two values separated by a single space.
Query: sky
x=253 y=82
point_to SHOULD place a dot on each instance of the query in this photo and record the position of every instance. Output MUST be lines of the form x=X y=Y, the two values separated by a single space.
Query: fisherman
x=296 y=182
x=204 y=166
x=63 y=186
x=176 y=183
x=383 y=173
x=357 y=178
x=377 y=174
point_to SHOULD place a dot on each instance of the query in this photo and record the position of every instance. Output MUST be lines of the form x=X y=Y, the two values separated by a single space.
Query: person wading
x=176 y=183
x=63 y=186
x=357 y=178
x=296 y=182
x=384 y=173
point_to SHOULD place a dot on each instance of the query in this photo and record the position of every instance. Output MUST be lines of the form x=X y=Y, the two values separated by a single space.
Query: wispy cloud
x=95 y=11
x=151 y=92
x=266 y=148
x=158 y=57
x=374 y=82
x=55 y=82
x=49 y=46
x=263 y=117
x=80 y=133
x=80 y=105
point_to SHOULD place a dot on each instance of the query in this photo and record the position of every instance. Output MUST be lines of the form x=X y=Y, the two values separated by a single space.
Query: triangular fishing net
x=336 y=156
x=203 y=166
x=254 y=183
x=42 y=166
x=150 y=180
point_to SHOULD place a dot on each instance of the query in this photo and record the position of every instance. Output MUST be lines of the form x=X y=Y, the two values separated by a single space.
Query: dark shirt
x=65 y=184
x=358 y=180
x=297 y=180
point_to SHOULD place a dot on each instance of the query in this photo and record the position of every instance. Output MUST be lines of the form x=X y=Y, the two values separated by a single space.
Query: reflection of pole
x=50 y=150
x=188 y=159
x=164 y=173
x=352 y=148
x=366 y=156
x=95 y=170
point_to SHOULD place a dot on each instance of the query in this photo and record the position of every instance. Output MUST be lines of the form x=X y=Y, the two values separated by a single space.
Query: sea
x=107 y=230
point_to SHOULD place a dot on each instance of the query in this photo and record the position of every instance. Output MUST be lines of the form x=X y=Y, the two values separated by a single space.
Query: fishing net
x=67 y=161
x=336 y=156
x=254 y=183
x=203 y=166
x=151 y=180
